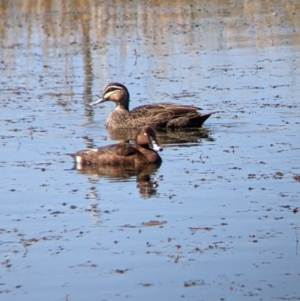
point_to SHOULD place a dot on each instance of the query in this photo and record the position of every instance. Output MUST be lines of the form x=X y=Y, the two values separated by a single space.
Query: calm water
x=219 y=220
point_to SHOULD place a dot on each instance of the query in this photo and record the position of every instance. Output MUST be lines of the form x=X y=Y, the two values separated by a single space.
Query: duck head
x=115 y=92
x=146 y=138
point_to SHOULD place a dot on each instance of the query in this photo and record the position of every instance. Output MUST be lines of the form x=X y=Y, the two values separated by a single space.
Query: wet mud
x=218 y=220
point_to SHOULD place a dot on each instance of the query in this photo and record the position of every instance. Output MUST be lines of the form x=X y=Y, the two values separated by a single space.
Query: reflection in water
x=102 y=21
x=146 y=181
x=226 y=54
x=87 y=66
x=165 y=136
x=113 y=39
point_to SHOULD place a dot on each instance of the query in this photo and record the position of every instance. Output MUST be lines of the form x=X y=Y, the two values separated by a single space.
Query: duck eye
x=145 y=134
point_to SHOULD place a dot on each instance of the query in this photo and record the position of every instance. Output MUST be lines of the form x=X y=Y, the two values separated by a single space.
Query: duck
x=159 y=115
x=144 y=151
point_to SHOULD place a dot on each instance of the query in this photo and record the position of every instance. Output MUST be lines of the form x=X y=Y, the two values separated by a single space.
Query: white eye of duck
x=145 y=134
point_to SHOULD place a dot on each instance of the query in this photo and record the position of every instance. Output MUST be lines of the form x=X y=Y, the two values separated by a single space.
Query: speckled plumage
x=164 y=114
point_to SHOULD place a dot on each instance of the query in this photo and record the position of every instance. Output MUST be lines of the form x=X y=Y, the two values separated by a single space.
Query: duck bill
x=155 y=146
x=100 y=100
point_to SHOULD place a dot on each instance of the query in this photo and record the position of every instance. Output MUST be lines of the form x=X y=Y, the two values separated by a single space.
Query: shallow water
x=219 y=219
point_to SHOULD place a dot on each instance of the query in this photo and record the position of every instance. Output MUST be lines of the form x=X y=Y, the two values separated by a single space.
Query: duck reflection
x=147 y=182
x=192 y=136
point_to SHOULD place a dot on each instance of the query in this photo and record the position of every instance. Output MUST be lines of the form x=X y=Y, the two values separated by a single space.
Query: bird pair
x=145 y=117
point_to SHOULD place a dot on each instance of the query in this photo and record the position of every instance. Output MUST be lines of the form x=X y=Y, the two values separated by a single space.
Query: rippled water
x=219 y=219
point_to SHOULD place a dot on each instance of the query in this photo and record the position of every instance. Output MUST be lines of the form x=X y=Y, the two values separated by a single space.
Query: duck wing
x=110 y=154
x=176 y=109
x=188 y=120
x=121 y=149
x=161 y=113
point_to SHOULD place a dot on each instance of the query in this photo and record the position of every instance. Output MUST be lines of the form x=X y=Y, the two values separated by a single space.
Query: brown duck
x=165 y=114
x=143 y=152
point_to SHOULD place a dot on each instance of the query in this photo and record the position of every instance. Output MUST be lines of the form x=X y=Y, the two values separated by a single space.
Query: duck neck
x=149 y=153
x=124 y=101
x=123 y=106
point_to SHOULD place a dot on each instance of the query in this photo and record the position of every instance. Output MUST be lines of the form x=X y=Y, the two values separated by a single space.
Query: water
x=218 y=220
